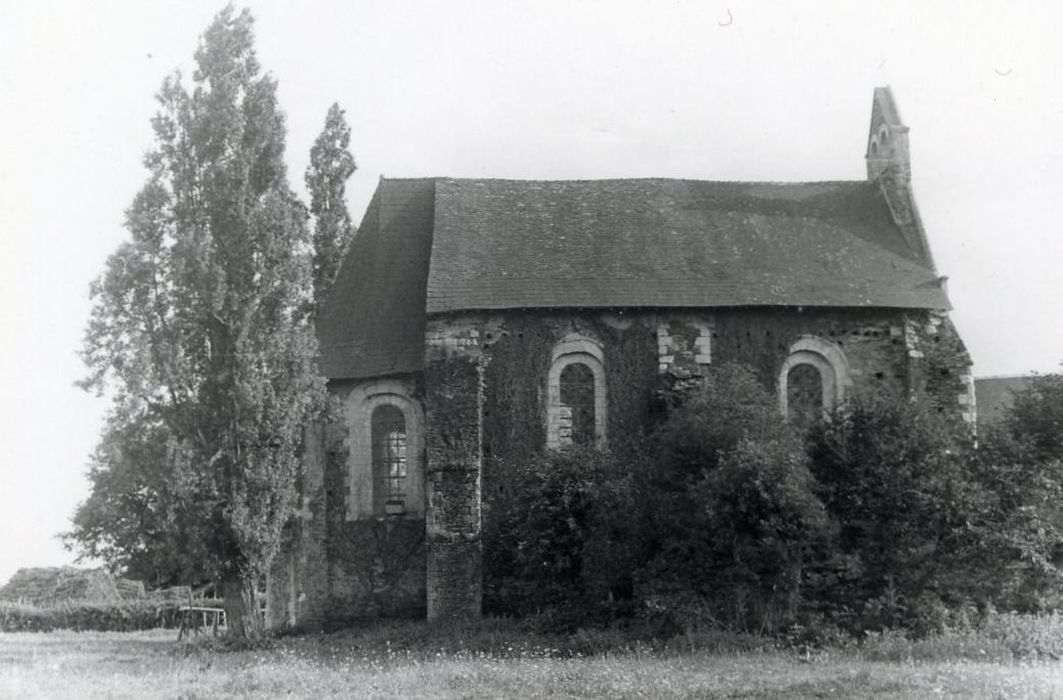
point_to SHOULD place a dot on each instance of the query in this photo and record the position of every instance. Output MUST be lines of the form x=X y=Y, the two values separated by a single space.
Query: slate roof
x=670 y=243
x=372 y=322
x=441 y=245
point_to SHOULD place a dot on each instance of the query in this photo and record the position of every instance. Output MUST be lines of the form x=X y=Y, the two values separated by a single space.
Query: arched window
x=804 y=393
x=575 y=394
x=389 y=460
x=577 y=404
x=813 y=379
x=385 y=450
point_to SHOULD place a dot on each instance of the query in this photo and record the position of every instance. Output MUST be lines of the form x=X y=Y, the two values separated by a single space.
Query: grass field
x=152 y=665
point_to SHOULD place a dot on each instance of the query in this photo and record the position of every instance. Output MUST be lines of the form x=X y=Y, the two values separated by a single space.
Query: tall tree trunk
x=242 y=614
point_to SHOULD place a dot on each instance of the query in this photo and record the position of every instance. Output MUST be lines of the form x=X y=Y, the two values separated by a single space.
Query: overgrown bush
x=127 y=616
x=998 y=637
x=1022 y=466
x=1027 y=636
x=560 y=538
x=709 y=520
x=885 y=516
x=894 y=475
x=1020 y=534
x=927 y=523
x=735 y=516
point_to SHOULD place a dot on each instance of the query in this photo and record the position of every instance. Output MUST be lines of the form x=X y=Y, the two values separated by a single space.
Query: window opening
x=804 y=393
x=577 y=405
x=389 y=460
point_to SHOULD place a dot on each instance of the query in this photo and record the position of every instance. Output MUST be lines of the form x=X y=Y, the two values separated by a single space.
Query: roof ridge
x=411 y=179
x=649 y=179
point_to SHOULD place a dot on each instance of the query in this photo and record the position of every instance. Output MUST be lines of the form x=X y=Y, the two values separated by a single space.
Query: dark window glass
x=577 y=404
x=389 y=459
x=804 y=393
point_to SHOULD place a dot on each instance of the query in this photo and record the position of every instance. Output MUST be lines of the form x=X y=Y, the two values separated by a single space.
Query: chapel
x=477 y=320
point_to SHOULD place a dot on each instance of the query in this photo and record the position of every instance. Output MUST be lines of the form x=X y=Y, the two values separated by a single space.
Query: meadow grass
x=414 y=660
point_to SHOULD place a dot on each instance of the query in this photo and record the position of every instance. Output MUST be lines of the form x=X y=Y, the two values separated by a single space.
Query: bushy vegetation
x=562 y=531
x=885 y=516
x=733 y=516
x=1035 y=418
x=127 y=616
x=896 y=478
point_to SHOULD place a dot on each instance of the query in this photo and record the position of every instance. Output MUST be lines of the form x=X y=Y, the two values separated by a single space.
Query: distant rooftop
x=994 y=394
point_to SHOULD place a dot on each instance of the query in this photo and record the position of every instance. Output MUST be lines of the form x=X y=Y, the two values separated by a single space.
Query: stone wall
x=335 y=566
x=645 y=351
x=519 y=348
x=939 y=365
x=483 y=393
x=376 y=563
x=871 y=340
x=453 y=401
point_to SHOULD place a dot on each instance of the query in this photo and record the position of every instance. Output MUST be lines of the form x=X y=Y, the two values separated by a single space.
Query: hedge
x=126 y=616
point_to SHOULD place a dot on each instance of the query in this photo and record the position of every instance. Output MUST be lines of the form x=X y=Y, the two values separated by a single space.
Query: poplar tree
x=331 y=165
x=201 y=320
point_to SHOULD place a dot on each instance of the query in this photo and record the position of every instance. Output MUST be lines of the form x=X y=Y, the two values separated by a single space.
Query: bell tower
x=889 y=165
x=887 y=140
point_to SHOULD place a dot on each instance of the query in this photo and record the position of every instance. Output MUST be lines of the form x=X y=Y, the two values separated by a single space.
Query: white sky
x=526 y=89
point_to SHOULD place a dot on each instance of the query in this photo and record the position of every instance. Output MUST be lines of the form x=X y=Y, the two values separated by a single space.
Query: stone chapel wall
x=483 y=394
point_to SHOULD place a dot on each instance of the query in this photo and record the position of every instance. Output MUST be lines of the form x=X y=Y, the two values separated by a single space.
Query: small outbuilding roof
x=444 y=245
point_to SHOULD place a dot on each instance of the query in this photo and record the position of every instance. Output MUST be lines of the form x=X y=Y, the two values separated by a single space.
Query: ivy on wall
x=375 y=567
x=520 y=349
x=378 y=566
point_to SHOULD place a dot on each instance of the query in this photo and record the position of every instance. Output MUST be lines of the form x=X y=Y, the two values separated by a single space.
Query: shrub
x=1019 y=559
x=894 y=476
x=1020 y=467
x=127 y=616
x=559 y=538
x=1027 y=636
x=998 y=637
x=727 y=518
x=731 y=406
x=895 y=645
x=735 y=514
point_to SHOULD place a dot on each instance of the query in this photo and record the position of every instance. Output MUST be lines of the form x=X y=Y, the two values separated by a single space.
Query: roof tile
x=441 y=245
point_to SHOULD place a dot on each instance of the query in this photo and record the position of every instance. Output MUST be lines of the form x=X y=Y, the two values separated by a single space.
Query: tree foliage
x=733 y=510
x=894 y=475
x=331 y=165
x=132 y=517
x=927 y=522
x=200 y=325
x=1035 y=417
x=1020 y=462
